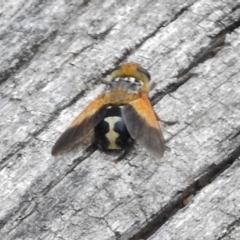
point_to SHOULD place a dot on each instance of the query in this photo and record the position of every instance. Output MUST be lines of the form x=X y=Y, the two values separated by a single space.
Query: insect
x=117 y=118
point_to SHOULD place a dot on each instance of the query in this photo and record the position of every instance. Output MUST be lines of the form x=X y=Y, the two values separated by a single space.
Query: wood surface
x=54 y=56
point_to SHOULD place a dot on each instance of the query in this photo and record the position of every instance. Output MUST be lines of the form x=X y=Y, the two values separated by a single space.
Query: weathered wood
x=212 y=214
x=54 y=55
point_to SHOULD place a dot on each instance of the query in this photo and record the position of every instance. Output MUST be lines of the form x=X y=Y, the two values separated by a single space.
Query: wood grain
x=54 y=56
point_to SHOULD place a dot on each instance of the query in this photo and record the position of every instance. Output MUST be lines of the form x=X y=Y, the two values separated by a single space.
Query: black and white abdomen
x=111 y=132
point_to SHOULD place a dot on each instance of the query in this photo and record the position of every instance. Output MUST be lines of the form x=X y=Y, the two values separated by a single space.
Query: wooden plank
x=212 y=214
x=54 y=55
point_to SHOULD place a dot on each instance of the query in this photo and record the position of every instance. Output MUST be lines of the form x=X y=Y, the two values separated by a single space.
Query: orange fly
x=117 y=118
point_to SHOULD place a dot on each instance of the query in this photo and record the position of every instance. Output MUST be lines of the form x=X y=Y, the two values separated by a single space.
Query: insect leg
x=170 y=123
x=124 y=153
x=91 y=148
x=86 y=153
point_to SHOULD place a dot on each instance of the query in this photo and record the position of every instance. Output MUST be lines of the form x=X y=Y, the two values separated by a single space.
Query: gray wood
x=54 y=55
x=212 y=214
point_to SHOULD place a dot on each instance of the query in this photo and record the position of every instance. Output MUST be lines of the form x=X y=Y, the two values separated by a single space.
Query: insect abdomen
x=111 y=132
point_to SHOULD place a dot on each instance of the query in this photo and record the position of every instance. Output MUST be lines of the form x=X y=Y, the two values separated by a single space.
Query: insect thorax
x=127 y=84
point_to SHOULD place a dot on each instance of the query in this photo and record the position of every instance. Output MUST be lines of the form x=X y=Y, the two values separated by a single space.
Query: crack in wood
x=129 y=51
x=44 y=192
x=230 y=228
x=216 y=45
x=54 y=115
x=178 y=201
x=25 y=57
x=172 y=87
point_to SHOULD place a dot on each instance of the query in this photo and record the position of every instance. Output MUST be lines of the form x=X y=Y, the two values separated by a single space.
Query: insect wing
x=81 y=126
x=143 y=125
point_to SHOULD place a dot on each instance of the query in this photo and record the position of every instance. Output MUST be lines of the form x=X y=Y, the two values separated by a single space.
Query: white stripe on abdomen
x=112 y=135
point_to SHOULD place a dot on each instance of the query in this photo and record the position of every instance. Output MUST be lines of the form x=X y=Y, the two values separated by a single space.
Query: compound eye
x=145 y=72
